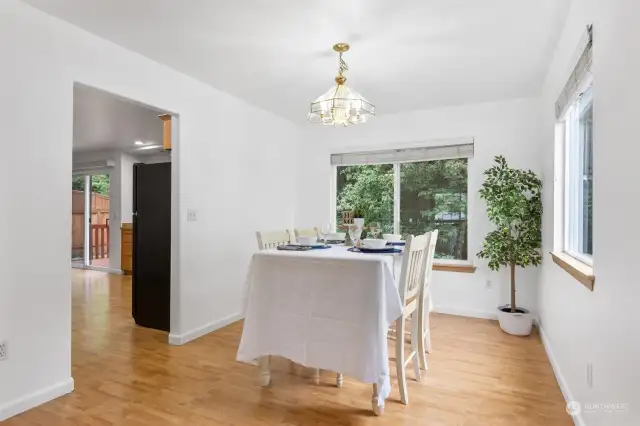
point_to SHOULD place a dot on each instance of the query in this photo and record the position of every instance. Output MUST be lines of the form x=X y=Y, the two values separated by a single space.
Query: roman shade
x=580 y=77
x=464 y=149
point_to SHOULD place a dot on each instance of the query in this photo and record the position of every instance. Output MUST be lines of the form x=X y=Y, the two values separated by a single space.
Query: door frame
x=176 y=335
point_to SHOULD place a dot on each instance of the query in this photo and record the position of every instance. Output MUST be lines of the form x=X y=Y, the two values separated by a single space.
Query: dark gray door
x=152 y=245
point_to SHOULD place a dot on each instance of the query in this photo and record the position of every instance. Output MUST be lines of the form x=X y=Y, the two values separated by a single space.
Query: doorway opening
x=124 y=212
x=90 y=229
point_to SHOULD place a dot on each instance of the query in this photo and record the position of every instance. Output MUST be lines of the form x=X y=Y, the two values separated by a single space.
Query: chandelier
x=341 y=105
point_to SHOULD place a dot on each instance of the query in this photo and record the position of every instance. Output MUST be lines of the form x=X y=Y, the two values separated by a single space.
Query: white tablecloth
x=327 y=309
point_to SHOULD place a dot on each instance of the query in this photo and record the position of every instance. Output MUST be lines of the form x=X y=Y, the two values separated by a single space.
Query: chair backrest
x=309 y=232
x=428 y=264
x=411 y=276
x=272 y=239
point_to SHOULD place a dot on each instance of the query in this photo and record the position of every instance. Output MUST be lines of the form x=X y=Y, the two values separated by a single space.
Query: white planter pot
x=518 y=324
x=359 y=222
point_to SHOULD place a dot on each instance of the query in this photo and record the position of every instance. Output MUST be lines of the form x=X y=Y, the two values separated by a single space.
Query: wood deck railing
x=100 y=238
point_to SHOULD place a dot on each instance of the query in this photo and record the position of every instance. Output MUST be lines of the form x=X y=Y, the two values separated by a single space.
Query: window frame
x=396 y=204
x=572 y=183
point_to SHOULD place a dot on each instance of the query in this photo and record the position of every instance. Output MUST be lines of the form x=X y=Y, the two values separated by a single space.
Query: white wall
x=232 y=157
x=599 y=327
x=508 y=128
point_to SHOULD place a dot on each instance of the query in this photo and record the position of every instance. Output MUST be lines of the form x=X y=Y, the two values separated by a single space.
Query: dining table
x=328 y=308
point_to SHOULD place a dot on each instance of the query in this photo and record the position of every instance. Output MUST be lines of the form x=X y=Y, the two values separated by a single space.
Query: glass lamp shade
x=340 y=106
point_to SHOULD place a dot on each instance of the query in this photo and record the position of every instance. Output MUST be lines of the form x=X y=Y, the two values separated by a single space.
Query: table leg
x=316 y=376
x=339 y=380
x=378 y=410
x=265 y=370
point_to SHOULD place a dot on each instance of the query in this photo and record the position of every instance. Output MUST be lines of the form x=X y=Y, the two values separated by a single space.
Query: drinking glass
x=354 y=233
x=325 y=229
x=374 y=227
x=357 y=234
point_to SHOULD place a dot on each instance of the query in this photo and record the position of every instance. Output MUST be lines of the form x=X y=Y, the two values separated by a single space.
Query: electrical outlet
x=487 y=284
x=191 y=215
x=590 y=375
x=3 y=350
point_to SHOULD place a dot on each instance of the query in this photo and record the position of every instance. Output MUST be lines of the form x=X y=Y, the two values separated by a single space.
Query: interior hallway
x=128 y=375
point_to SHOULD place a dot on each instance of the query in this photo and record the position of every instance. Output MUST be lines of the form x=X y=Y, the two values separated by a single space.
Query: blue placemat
x=386 y=250
x=296 y=247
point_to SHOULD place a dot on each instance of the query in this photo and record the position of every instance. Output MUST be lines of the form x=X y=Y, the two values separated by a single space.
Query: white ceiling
x=102 y=121
x=406 y=54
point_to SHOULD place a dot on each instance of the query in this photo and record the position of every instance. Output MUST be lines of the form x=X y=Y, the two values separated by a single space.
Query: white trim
x=32 y=400
x=181 y=339
x=580 y=257
x=396 y=198
x=87 y=217
x=333 y=198
x=463 y=312
x=564 y=387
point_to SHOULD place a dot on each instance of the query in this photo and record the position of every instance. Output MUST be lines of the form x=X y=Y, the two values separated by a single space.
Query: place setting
x=388 y=244
x=304 y=243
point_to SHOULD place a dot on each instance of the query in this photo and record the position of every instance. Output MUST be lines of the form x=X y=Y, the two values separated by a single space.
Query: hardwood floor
x=127 y=375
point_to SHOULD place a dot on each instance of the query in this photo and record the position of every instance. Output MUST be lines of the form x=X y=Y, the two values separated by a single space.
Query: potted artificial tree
x=514 y=206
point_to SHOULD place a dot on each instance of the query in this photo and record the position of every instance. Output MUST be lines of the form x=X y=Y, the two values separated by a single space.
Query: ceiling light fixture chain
x=342 y=66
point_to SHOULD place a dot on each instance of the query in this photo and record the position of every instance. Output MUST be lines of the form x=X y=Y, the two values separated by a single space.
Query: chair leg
x=427 y=334
x=416 y=335
x=378 y=410
x=316 y=376
x=402 y=376
x=421 y=341
x=339 y=380
x=265 y=370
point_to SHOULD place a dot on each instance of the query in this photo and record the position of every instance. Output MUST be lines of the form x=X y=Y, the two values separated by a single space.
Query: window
x=368 y=188
x=408 y=197
x=578 y=206
x=433 y=195
x=573 y=194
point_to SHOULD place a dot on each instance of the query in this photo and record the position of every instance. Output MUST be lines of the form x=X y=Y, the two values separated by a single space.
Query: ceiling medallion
x=341 y=105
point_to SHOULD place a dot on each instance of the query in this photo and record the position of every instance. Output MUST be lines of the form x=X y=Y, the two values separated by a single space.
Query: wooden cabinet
x=126 y=248
x=166 y=130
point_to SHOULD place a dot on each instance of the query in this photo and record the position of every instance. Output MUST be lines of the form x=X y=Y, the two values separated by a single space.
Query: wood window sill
x=578 y=270
x=467 y=269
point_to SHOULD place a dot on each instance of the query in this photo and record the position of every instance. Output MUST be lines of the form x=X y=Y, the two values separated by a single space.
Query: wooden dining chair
x=424 y=344
x=272 y=239
x=308 y=232
x=410 y=287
